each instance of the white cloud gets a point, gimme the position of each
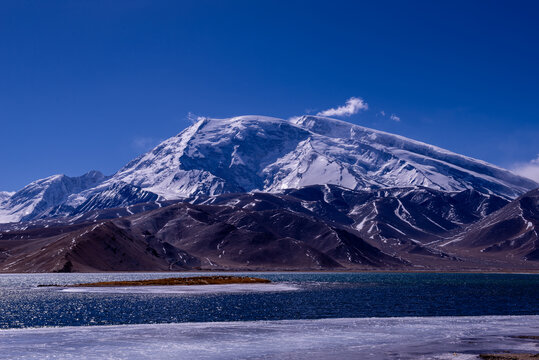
(529, 169)
(395, 118)
(383, 113)
(353, 106)
(194, 118)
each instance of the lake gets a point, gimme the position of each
(344, 304)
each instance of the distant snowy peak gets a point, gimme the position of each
(41, 197)
(5, 195)
(249, 153)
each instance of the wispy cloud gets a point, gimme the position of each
(393, 117)
(142, 143)
(529, 169)
(194, 118)
(352, 106)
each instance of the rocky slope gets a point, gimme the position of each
(186, 236)
(316, 227)
(390, 216)
(510, 233)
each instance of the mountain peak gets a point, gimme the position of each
(254, 152)
(260, 153)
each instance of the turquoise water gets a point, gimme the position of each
(318, 295)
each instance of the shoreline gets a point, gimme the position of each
(525, 336)
(516, 272)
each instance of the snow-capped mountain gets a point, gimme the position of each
(249, 153)
(256, 153)
(46, 197)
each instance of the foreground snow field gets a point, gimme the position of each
(362, 338)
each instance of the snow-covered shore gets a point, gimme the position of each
(365, 338)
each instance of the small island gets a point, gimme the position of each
(196, 280)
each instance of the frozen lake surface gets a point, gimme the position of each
(362, 338)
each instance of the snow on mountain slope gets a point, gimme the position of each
(248, 153)
(5, 195)
(106, 196)
(42, 197)
(213, 157)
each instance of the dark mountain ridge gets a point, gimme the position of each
(312, 228)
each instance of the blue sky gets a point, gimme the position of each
(91, 84)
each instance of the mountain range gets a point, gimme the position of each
(255, 192)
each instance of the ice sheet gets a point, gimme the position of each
(367, 338)
(185, 289)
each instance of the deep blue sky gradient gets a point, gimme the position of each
(91, 84)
